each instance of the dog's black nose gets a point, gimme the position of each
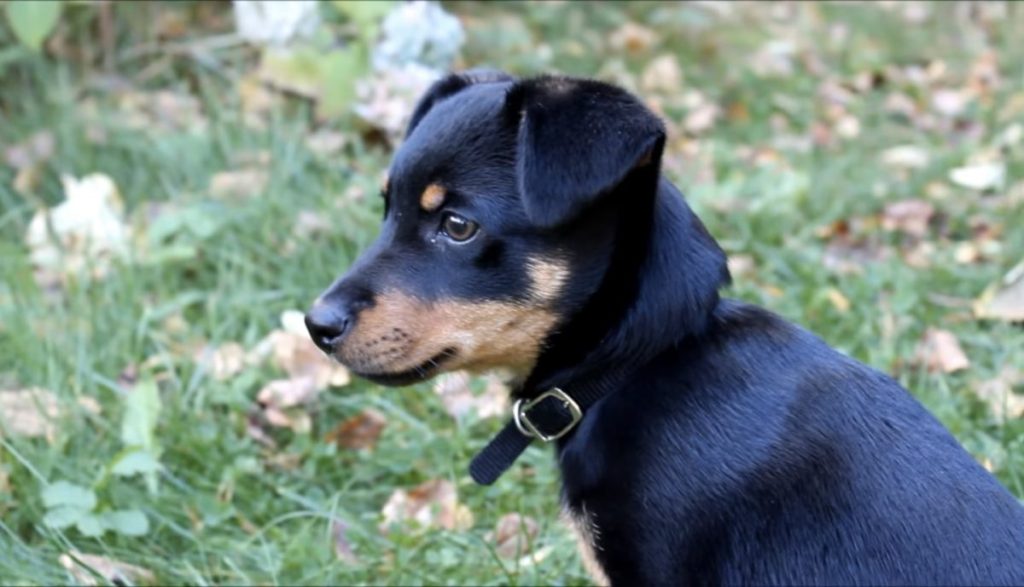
(327, 325)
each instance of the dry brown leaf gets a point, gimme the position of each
(432, 504)
(1003, 300)
(359, 431)
(163, 110)
(908, 216)
(839, 301)
(342, 545)
(701, 119)
(741, 265)
(998, 393)
(222, 362)
(113, 571)
(283, 401)
(939, 351)
(386, 99)
(458, 398)
(663, 74)
(633, 38)
(325, 143)
(32, 412)
(513, 535)
(239, 183)
(309, 371)
(309, 224)
(257, 101)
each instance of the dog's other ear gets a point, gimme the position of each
(449, 85)
(578, 139)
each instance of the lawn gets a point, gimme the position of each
(863, 166)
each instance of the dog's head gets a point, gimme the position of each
(499, 226)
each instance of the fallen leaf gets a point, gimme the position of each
(309, 372)
(239, 183)
(114, 572)
(275, 23)
(632, 38)
(663, 74)
(324, 143)
(1003, 300)
(701, 119)
(774, 58)
(848, 126)
(741, 265)
(839, 301)
(513, 535)
(294, 353)
(31, 413)
(88, 230)
(432, 504)
(908, 216)
(257, 101)
(949, 102)
(32, 152)
(905, 157)
(939, 351)
(359, 431)
(309, 224)
(276, 397)
(222, 362)
(342, 545)
(386, 99)
(161, 111)
(458, 398)
(980, 177)
(535, 558)
(998, 393)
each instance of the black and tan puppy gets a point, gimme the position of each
(700, 440)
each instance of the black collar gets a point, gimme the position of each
(548, 416)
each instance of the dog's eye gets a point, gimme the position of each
(458, 228)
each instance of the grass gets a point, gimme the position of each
(227, 511)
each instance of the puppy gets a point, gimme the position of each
(701, 440)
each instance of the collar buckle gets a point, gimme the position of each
(528, 428)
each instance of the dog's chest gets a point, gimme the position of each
(584, 526)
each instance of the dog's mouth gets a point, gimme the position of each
(421, 372)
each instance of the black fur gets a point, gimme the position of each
(741, 449)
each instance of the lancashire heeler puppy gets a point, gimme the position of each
(701, 440)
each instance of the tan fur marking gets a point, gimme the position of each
(401, 332)
(432, 197)
(547, 277)
(587, 533)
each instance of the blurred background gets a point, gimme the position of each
(178, 180)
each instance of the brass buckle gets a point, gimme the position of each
(523, 423)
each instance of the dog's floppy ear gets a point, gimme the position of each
(449, 85)
(577, 140)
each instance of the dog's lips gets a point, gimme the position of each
(422, 372)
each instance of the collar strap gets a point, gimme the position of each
(547, 417)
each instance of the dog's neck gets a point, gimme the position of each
(660, 287)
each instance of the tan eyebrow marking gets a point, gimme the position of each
(432, 197)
